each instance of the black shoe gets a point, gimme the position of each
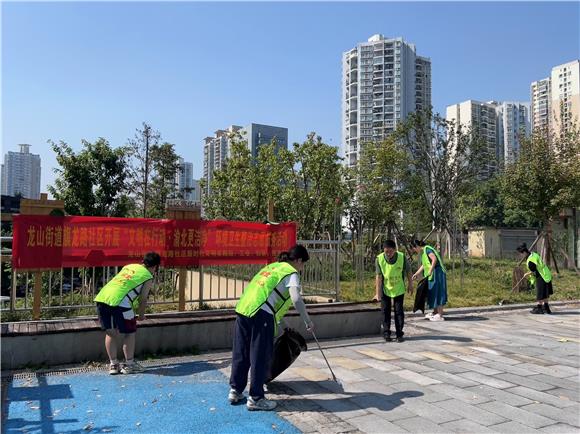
(388, 338)
(547, 309)
(400, 339)
(537, 310)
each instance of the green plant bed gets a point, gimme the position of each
(485, 282)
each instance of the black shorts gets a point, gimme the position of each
(113, 317)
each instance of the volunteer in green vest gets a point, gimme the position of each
(540, 275)
(391, 268)
(434, 271)
(264, 302)
(116, 302)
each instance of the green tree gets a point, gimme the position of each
(316, 194)
(164, 168)
(139, 149)
(545, 178)
(91, 182)
(305, 183)
(447, 161)
(382, 176)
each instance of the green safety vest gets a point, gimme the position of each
(130, 277)
(392, 275)
(427, 262)
(262, 286)
(540, 266)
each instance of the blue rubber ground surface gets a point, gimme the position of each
(181, 398)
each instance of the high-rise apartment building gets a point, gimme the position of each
(501, 124)
(565, 80)
(383, 81)
(513, 125)
(480, 117)
(217, 149)
(21, 173)
(541, 97)
(556, 99)
(184, 180)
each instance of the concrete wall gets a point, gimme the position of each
(180, 333)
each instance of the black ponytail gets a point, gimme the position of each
(523, 248)
(296, 252)
(418, 243)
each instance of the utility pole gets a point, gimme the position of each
(146, 133)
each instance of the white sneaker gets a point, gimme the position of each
(437, 317)
(114, 369)
(429, 315)
(235, 397)
(261, 404)
(132, 368)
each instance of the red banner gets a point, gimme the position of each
(55, 242)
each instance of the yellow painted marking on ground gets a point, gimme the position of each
(436, 356)
(312, 374)
(377, 354)
(346, 363)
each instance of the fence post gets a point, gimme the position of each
(182, 211)
(41, 206)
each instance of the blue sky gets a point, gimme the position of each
(73, 71)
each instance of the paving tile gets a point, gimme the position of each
(471, 358)
(387, 378)
(436, 356)
(513, 427)
(453, 379)
(471, 412)
(377, 354)
(525, 381)
(452, 368)
(465, 426)
(510, 369)
(566, 383)
(465, 395)
(502, 395)
(380, 365)
(346, 363)
(558, 371)
(572, 395)
(413, 357)
(416, 377)
(346, 375)
(313, 374)
(479, 368)
(373, 423)
(557, 414)
(517, 414)
(412, 366)
(485, 379)
(343, 407)
(559, 428)
(429, 411)
(544, 397)
(419, 425)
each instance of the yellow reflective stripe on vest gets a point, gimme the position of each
(393, 284)
(129, 278)
(540, 266)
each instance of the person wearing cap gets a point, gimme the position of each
(391, 268)
(116, 302)
(539, 275)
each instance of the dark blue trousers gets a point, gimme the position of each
(253, 346)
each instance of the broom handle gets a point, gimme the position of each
(320, 348)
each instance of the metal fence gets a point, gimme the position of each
(71, 291)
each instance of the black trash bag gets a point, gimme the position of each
(287, 348)
(421, 296)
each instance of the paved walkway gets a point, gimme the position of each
(494, 372)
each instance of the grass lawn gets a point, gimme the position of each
(485, 282)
